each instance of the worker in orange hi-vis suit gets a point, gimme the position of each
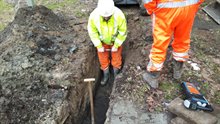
(169, 18)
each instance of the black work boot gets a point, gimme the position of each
(105, 77)
(116, 71)
(152, 78)
(177, 69)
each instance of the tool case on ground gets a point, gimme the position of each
(194, 99)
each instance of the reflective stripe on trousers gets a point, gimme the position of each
(154, 67)
(147, 1)
(172, 21)
(173, 4)
(177, 4)
(180, 56)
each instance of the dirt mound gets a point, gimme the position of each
(38, 16)
(41, 69)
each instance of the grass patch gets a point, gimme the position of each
(56, 5)
(4, 6)
(140, 93)
(217, 98)
(171, 90)
(79, 14)
(143, 89)
(2, 26)
(5, 10)
(159, 108)
(205, 86)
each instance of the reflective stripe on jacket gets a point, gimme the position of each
(153, 5)
(111, 32)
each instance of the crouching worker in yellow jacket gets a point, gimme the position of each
(107, 28)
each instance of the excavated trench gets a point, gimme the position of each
(101, 102)
(134, 53)
(101, 97)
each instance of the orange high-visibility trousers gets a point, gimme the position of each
(167, 22)
(116, 57)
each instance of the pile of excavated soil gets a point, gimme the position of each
(42, 66)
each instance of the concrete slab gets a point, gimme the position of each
(126, 112)
(216, 112)
(197, 117)
(213, 10)
(178, 120)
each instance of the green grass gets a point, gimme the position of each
(67, 6)
(2, 26)
(171, 90)
(159, 108)
(57, 5)
(4, 6)
(205, 86)
(217, 98)
(79, 14)
(204, 4)
(5, 9)
(143, 89)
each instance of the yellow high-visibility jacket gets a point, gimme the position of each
(111, 32)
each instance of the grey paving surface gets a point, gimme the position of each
(125, 112)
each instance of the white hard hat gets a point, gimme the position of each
(106, 7)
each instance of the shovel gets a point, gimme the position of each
(90, 80)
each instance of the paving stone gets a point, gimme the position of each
(216, 111)
(124, 108)
(125, 112)
(152, 118)
(197, 117)
(123, 120)
(178, 120)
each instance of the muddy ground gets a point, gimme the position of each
(43, 63)
(40, 48)
(204, 46)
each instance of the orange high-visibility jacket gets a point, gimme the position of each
(153, 5)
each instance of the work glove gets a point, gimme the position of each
(101, 49)
(114, 49)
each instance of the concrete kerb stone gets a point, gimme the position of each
(178, 120)
(195, 117)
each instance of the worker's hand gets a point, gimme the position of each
(101, 49)
(114, 49)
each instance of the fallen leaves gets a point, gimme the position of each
(153, 100)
